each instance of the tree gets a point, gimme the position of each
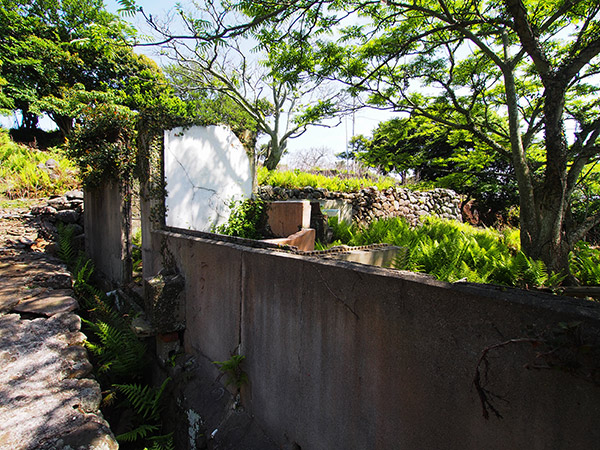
(281, 104)
(513, 73)
(60, 55)
(436, 155)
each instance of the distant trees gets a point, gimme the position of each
(245, 69)
(437, 155)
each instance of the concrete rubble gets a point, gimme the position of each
(48, 399)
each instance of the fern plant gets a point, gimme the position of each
(119, 352)
(145, 403)
(233, 370)
(585, 264)
(66, 251)
(453, 251)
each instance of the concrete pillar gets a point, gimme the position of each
(107, 218)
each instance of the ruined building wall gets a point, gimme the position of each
(347, 356)
(370, 204)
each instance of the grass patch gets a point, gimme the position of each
(23, 173)
(295, 179)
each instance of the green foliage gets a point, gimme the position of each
(104, 145)
(119, 355)
(58, 56)
(437, 156)
(66, 251)
(585, 264)
(453, 251)
(22, 175)
(232, 369)
(119, 352)
(144, 400)
(479, 67)
(297, 179)
(247, 219)
(136, 251)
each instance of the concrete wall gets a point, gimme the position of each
(107, 219)
(346, 356)
(205, 168)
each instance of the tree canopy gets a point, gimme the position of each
(244, 69)
(58, 56)
(520, 75)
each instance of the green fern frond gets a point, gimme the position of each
(164, 442)
(66, 251)
(119, 349)
(232, 368)
(144, 400)
(140, 432)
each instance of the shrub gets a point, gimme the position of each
(248, 219)
(104, 145)
(297, 179)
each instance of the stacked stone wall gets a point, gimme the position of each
(371, 203)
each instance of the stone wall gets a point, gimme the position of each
(370, 204)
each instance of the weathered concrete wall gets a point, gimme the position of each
(205, 168)
(107, 219)
(347, 356)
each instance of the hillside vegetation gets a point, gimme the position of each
(26, 172)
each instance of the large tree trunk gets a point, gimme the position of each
(29, 121)
(64, 123)
(550, 243)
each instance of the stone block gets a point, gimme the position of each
(165, 302)
(287, 218)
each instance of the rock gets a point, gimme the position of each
(49, 407)
(51, 164)
(47, 304)
(74, 195)
(43, 210)
(54, 279)
(67, 216)
(57, 202)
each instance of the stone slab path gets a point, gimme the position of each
(47, 398)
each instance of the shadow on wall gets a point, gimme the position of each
(202, 178)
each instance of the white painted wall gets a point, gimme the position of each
(205, 168)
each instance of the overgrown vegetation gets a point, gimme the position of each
(298, 179)
(119, 359)
(247, 219)
(453, 251)
(136, 254)
(24, 174)
(104, 146)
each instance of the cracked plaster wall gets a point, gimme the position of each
(205, 168)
